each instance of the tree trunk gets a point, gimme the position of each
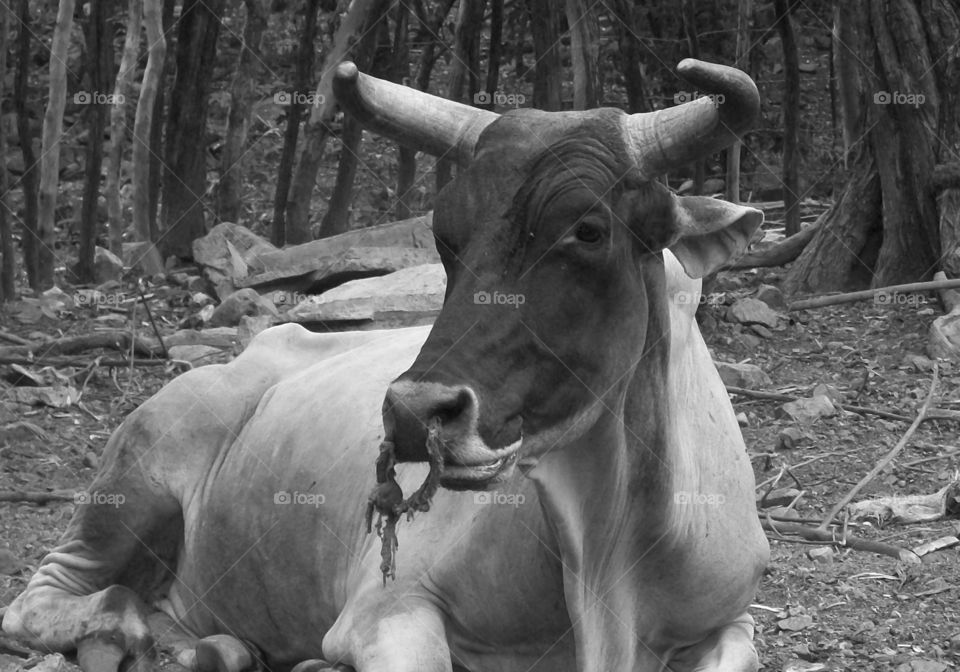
(732, 182)
(8, 263)
(911, 122)
(544, 24)
(296, 105)
(791, 116)
(688, 11)
(463, 70)
(31, 235)
(123, 93)
(185, 177)
(496, 49)
(363, 13)
(52, 135)
(167, 74)
(629, 45)
(584, 54)
(242, 94)
(400, 73)
(337, 218)
(846, 45)
(99, 65)
(156, 50)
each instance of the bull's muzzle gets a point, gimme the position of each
(410, 406)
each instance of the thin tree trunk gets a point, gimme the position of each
(280, 234)
(732, 183)
(99, 64)
(167, 75)
(337, 218)
(585, 54)
(185, 177)
(629, 46)
(791, 116)
(464, 68)
(846, 16)
(52, 135)
(150, 262)
(31, 235)
(544, 24)
(496, 49)
(8, 263)
(400, 73)
(689, 14)
(123, 93)
(317, 129)
(242, 94)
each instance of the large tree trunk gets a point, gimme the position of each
(242, 94)
(31, 235)
(791, 116)
(185, 177)
(122, 94)
(150, 262)
(363, 13)
(296, 103)
(584, 53)
(8, 264)
(52, 136)
(911, 124)
(545, 26)
(99, 65)
(845, 47)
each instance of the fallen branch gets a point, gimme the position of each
(36, 497)
(776, 396)
(850, 297)
(832, 538)
(888, 458)
(114, 339)
(13, 338)
(74, 361)
(778, 254)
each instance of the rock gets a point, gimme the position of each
(918, 362)
(789, 438)
(922, 665)
(829, 391)
(778, 498)
(53, 662)
(753, 311)
(9, 563)
(195, 284)
(713, 185)
(241, 302)
(743, 420)
(772, 296)
(219, 337)
(795, 623)
(179, 279)
(250, 326)
(200, 299)
(54, 397)
(318, 274)
(143, 258)
(232, 249)
(749, 341)
(804, 666)
(198, 355)
(783, 513)
(222, 284)
(407, 297)
(91, 460)
(943, 341)
(806, 411)
(821, 554)
(743, 375)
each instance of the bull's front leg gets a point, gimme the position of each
(390, 633)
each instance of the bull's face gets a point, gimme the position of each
(552, 238)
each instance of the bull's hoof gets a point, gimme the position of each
(223, 653)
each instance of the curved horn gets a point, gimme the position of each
(419, 120)
(667, 138)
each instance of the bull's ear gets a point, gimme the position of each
(712, 232)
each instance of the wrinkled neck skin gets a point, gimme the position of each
(607, 496)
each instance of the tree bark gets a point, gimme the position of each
(911, 121)
(400, 73)
(99, 65)
(31, 235)
(791, 116)
(845, 41)
(317, 128)
(123, 93)
(629, 46)
(156, 51)
(688, 11)
(8, 263)
(544, 24)
(732, 182)
(496, 49)
(242, 95)
(52, 135)
(584, 54)
(185, 176)
(167, 74)
(337, 218)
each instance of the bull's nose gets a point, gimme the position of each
(409, 406)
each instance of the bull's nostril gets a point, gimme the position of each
(450, 409)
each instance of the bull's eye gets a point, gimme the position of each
(589, 232)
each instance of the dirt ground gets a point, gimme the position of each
(849, 610)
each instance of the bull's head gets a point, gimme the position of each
(552, 237)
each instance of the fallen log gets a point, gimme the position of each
(115, 339)
(37, 497)
(851, 297)
(841, 540)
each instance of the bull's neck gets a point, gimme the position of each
(608, 499)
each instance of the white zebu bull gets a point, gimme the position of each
(631, 541)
